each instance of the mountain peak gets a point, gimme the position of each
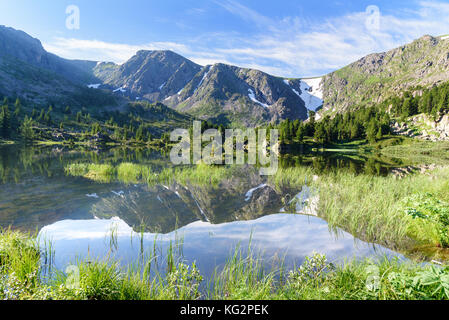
(159, 53)
(18, 43)
(423, 62)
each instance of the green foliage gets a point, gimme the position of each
(367, 123)
(243, 277)
(96, 128)
(374, 208)
(431, 101)
(26, 129)
(313, 269)
(425, 206)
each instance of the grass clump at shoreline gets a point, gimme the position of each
(201, 174)
(377, 209)
(132, 173)
(419, 152)
(96, 172)
(243, 277)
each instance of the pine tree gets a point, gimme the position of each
(444, 101)
(6, 122)
(371, 131)
(139, 133)
(17, 108)
(320, 133)
(379, 134)
(41, 115)
(26, 129)
(95, 128)
(356, 129)
(300, 133)
(79, 116)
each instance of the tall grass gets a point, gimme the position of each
(419, 152)
(372, 207)
(243, 277)
(200, 174)
(96, 172)
(133, 173)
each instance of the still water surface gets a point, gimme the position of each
(83, 218)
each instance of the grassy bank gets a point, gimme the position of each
(415, 151)
(398, 213)
(243, 277)
(135, 173)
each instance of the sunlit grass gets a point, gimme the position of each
(200, 174)
(92, 171)
(243, 277)
(372, 207)
(133, 173)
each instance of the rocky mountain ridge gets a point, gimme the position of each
(376, 77)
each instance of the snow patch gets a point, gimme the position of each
(252, 96)
(250, 192)
(162, 86)
(94, 85)
(305, 202)
(93, 195)
(293, 89)
(201, 210)
(204, 78)
(311, 92)
(445, 37)
(120, 89)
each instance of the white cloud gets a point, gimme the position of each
(105, 51)
(290, 47)
(245, 13)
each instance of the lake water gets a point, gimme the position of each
(84, 218)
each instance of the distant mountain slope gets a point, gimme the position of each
(221, 93)
(40, 78)
(150, 74)
(19, 45)
(240, 95)
(376, 77)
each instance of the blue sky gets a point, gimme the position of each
(291, 38)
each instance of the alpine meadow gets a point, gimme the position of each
(224, 150)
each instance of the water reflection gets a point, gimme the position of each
(76, 213)
(283, 236)
(352, 162)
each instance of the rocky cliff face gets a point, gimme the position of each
(221, 93)
(29, 72)
(374, 78)
(424, 127)
(18, 45)
(250, 97)
(153, 75)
